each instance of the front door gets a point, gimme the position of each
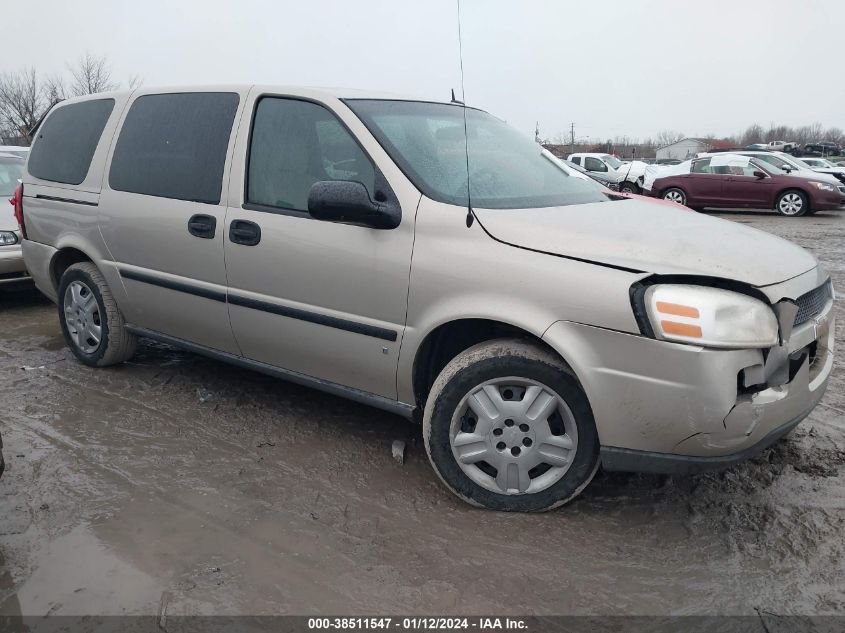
(749, 190)
(591, 163)
(162, 213)
(323, 299)
(703, 187)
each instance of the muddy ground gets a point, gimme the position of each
(182, 481)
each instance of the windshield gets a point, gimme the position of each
(612, 161)
(10, 172)
(506, 169)
(771, 159)
(791, 161)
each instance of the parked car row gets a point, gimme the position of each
(818, 148)
(429, 260)
(750, 180)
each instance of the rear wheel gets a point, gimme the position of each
(508, 427)
(91, 322)
(629, 187)
(675, 195)
(792, 203)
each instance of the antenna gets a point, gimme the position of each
(470, 214)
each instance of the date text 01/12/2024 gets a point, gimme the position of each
(417, 623)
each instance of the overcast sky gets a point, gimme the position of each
(614, 67)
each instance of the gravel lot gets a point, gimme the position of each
(179, 480)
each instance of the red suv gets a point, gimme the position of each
(745, 182)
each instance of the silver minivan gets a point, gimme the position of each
(427, 259)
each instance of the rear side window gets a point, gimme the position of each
(576, 160)
(66, 142)
(174, 146)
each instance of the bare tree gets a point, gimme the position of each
(54, 90)
(135, 81)
(667, 137)
(25, 96)
(833, 134)
(21, 103)
(753, 134)
(90, 75)
(803, 134)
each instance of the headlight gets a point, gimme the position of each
(711, 317)
(7, 238)
(824, 186)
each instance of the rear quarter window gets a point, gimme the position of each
(174, 146)
(65, 144)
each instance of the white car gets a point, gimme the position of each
(781, 146)
(629, 175)
(15, 150)
(824, 166)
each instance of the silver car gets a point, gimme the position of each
(427, 259)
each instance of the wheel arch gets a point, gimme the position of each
(445, 341)
(64, 258)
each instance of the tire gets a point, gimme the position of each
(792, 203)
(515, 370)
(629, 187)
(675, 194)
(86, 307)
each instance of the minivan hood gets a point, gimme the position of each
(645, 236)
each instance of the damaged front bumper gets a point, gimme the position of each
(672, 408)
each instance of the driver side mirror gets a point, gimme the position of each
(759, 174)
(349, 202)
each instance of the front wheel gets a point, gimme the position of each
(508, 427)
(629, 187)
(675, 195)
(91, 322)
(792, 203)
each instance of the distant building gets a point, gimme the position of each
(689, 147)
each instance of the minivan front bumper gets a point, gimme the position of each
(674, 408)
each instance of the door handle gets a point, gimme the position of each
(202, 225)
(244, 232)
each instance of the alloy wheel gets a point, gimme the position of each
(675, 196)
(791, 204)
